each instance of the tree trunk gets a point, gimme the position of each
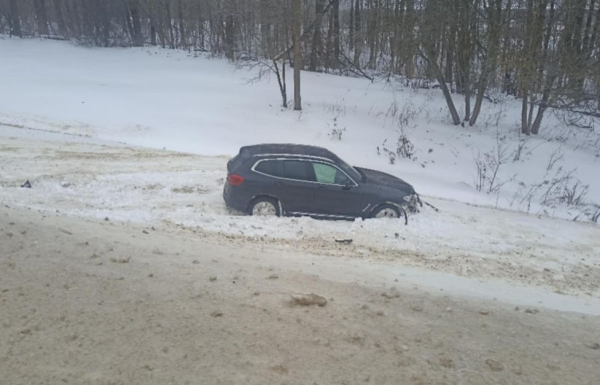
(138, 38)
(317, 41)
(170, 25)
(448, 97)
(550, 76)
(41, 16)
(409, 39)
(587, 34)
(297, 25)
(103, 23)
(535, 127)
(372, 31)
(129, 26)
(479, 99)
(524, 119)
(394, 39)
(449, 68)
(596, 32)
(281, 81)
(336, 30)
(351, 25)
(467, 98)
(506, 45)
(60, 18)
(358, 41)
(229, 37)
(432, 59)
(494, 12)
(15, 19)
(152, 35)
(182, 37)
(329, 47)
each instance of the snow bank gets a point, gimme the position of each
(174, 100)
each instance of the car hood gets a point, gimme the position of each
(381, 179)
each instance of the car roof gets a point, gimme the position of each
(287, 149)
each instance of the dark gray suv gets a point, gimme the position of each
(298, 180)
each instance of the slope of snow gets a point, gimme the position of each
(467, 250)
(171, 99)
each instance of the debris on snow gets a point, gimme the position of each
(309, 299)
(447, 363)
(494, 365)
(120, 260)
(392, 294)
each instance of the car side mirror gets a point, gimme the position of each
(348, 185)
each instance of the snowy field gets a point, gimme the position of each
(467, 250)
(173, 100)
(122, 265)
(143, 135)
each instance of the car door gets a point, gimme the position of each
(298, 182)
(336, 194)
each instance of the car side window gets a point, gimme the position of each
(297, 170)
(325, 173)
(270, 167)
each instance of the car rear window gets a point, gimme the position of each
(270, 167)
(298, 170)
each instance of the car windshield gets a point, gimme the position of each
(351, 171)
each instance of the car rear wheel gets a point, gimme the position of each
(386, 211)
(264, 207)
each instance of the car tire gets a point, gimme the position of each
(264, 206)
(386, 211)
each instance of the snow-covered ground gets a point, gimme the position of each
(463, 249)
(122, 264)
(98, 302)
(171, 99)
(76, 120)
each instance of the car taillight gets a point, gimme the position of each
(235, 180)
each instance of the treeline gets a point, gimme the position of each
(545, 52)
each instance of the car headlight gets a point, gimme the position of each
(407, 198)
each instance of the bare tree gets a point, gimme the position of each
(41, 16)
(136, 23)
(545, 52)
(60, 18)
(317, 42)
(15, 19)
(297, 15)
(430, 35)
(493, 13)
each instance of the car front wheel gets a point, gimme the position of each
(386, 211)
(264, 207)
